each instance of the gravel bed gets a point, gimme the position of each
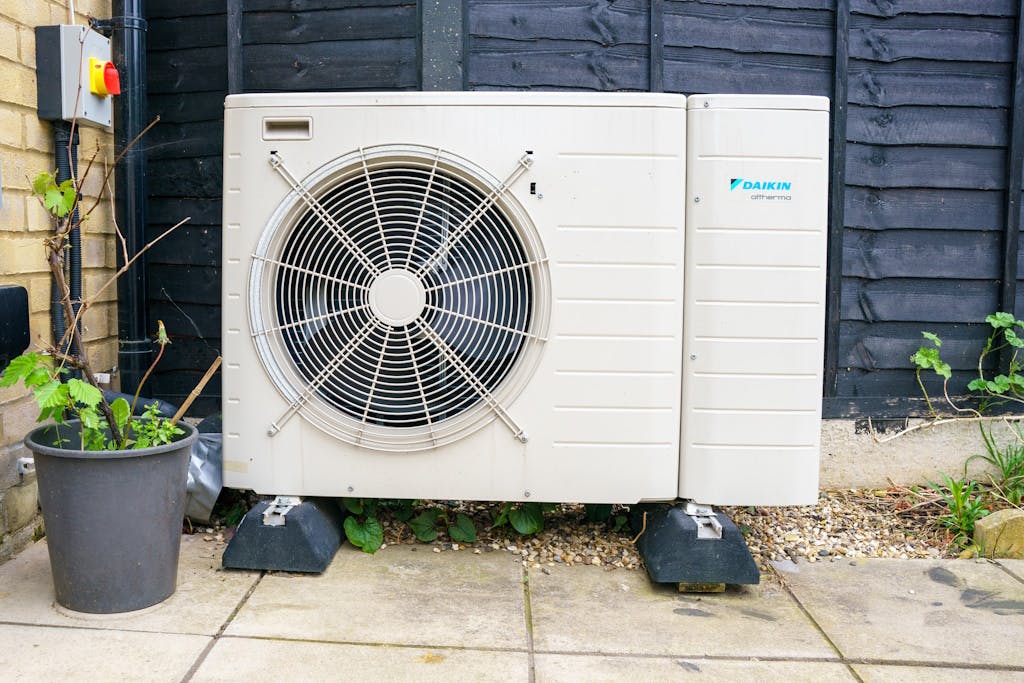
(847, 523)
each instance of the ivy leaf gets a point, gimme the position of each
(977, 384)
(84, 393)
(464, 530)
(1013, 339)
(424, 525)
(121, 409)
(367, 535)
(53, 394)
(353, 505)
(933, 338)
(19, 368)
(527, 518)
(1001, 320)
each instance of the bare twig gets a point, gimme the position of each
(199, 389)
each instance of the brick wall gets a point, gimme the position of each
(26, 148)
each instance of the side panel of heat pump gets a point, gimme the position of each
(757, 187)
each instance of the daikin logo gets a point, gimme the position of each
(769, 185)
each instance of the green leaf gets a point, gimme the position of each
(353, 505)
(404, 511)
(977, 384)
(69, 195)
(621, 522)
(53, 201)
(464, 530)
(1013, 339)
(942, 368)
(502, 518)
(367, 534)
(121, 409)
(53, 394)
(527, 519)
(84, 393)
(41, 182)
(20, 368)
(933, 338)
(37, 377)
(1001, 320)
(424, 525)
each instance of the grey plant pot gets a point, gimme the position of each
(113, 519)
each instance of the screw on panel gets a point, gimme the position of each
(526, 494)
(696, 200)
(706, 104)
(350, 489)
(693, 356)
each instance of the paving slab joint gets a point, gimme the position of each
(785, 584)
(220, 632)
(528, 613)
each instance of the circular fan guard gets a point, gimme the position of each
(398, 298)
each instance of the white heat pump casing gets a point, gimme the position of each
(755, 299)
(604, 196)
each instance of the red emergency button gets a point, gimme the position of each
(103, 78)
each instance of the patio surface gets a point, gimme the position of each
(409, 614)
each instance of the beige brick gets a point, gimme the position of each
(39, 327)
(103, 353)
(8, 40)
(12, 213)
(93, 280)
(39, 294)
(38, 134)
(10, 394)
(21, 504)
(27, 12)
(18, 84)
(21, 255)
(94, 251)
(96, 323)
(27, 46)
(10, 128)
(19, 418)
(37, 218)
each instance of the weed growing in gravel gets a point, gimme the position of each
(1008, 463)
(965, 507)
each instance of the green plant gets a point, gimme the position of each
(1008, 462)
(48, 375)
(964, 507)
(362, 528)
(1001, 387)
(602, 512)
(460, 530)
(525, 518)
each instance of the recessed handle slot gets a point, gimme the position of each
(291, 128)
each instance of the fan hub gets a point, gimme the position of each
(397, 297)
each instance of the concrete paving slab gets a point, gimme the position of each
(205, 598)
(246, 659)
(398, 596)
(591, 610)
(915, 674)
(916, 610)
(596, 669)
(1016, 567)
(47, 653)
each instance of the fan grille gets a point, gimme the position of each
(399, 299)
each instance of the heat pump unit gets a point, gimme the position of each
(454, 296)
(487, 296)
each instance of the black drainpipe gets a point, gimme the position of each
(66, 159)
(128, 27)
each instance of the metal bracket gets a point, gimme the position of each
(279, 508)
(708, 526)
(26, 466)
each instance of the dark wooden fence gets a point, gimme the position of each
(927, 124)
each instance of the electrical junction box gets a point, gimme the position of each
(75, 77)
